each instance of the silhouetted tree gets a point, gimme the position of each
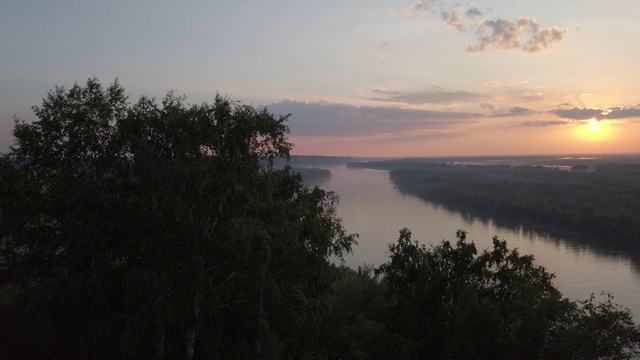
(158, 230)
(452, 302)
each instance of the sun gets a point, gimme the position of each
(593, 130)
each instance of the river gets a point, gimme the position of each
(372, 207)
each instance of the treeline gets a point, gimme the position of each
(397, 164)
(164, 230)
(313, 175)
(602, 202)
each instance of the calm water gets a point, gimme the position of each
(372, 207)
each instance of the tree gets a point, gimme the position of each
(455, 303)
(356, 317)
(158, 230)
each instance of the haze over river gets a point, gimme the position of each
(372, 207)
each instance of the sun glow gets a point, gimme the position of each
(594, 130)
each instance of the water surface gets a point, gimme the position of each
(372, 207)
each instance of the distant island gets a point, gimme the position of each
(313, 175)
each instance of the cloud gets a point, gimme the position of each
(523, 34)
(386, 92)
(488, 106)
(461, 20)
(431, 97)
(513, 112)
(622, 113)
(454, 19)
(598, 114)
(473, 12)
(517, 110)
(532, 97)
(420, 6)
(543, 123)
(331, 119)
(578, 114)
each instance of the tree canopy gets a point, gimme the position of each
(453, 302)
(158, 228)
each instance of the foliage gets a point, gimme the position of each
(158, 230)
(356, 316)
(452, 302)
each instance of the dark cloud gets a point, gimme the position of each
(599, 114)
(330, 119)
(432, 97)
(523, 34)
(622, 113)
(517, 110)
(473, 12)
(578, 114)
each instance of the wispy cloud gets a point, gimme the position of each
(543, 123)
(514, 111)
(523, 34)
(532, 97)
(418, 7)
(331, 119)
(443, 97)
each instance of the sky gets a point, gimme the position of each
(388, 78)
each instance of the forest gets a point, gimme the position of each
(161, 229)
(601, 202)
